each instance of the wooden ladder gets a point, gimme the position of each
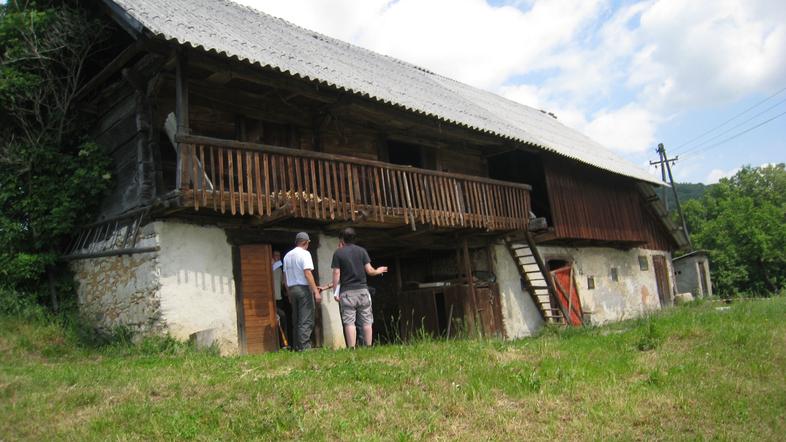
(535, 276)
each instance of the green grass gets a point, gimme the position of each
(689, 373)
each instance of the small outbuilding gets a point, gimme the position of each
(692, 273)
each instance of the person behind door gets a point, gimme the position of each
(282, 306)
(351, 264)
(302, 291)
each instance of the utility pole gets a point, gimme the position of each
(661, 165)
(665, 168)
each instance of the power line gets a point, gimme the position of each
(734, 127)
(730, 119)
(737, 134)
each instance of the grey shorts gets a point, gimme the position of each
(356, 304)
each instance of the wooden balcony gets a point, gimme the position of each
(271, 182)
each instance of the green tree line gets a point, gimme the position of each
(51, 175)
(741, 222)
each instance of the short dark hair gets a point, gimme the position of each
(348, 235)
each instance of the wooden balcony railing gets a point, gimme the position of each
(245, 178)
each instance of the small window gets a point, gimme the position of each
(615, 274)
(590, 282)
(643, 263)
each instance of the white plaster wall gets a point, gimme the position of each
(519, 312)
(634, 294)
(332, 330)
(197, 283)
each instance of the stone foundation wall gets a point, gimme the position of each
(122, 291)
(185, 287)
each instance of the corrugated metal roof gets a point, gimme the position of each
(245, 33)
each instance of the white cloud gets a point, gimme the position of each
(698, 54)
(628, 129)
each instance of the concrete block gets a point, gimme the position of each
(205, 338)
(683, 298)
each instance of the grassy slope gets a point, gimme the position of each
(711, 374)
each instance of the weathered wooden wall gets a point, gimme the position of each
(587, 203)
(125, 131)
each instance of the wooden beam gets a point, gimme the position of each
(181, 93)
(471, 284)
(181, 109)
(110, 69)
(123, 19)
(265, 76)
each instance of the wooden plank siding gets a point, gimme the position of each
(332, 188)
(589, 204)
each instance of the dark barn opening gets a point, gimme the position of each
(406, 154)
(527, 168)
(426, 294)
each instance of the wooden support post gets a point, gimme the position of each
(181, 108)
(471, 285)
(399, 281)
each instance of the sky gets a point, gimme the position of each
(705, 78)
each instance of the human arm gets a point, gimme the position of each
(336, 279)
(371, 271)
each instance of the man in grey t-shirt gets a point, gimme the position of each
(351, 264)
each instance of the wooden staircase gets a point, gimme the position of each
(534, 273)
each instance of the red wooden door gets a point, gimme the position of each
(661, 278)
(258, 316)
(567, 295)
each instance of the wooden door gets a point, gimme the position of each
(418, 311)
(257, 303)
(705, 291)
(661, 279)
(489, 310)
(567, 295)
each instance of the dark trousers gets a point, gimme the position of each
(302, 317)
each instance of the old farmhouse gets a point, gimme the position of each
(231, 130)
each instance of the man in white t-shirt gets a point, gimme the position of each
(302, 290)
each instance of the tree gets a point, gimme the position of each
(741, 221)
(50, 175)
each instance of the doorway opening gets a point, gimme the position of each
(426, 294)
(405, 154)
(527, 168)
(261, 300)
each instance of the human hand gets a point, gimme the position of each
(382, 269)
(317, 296)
